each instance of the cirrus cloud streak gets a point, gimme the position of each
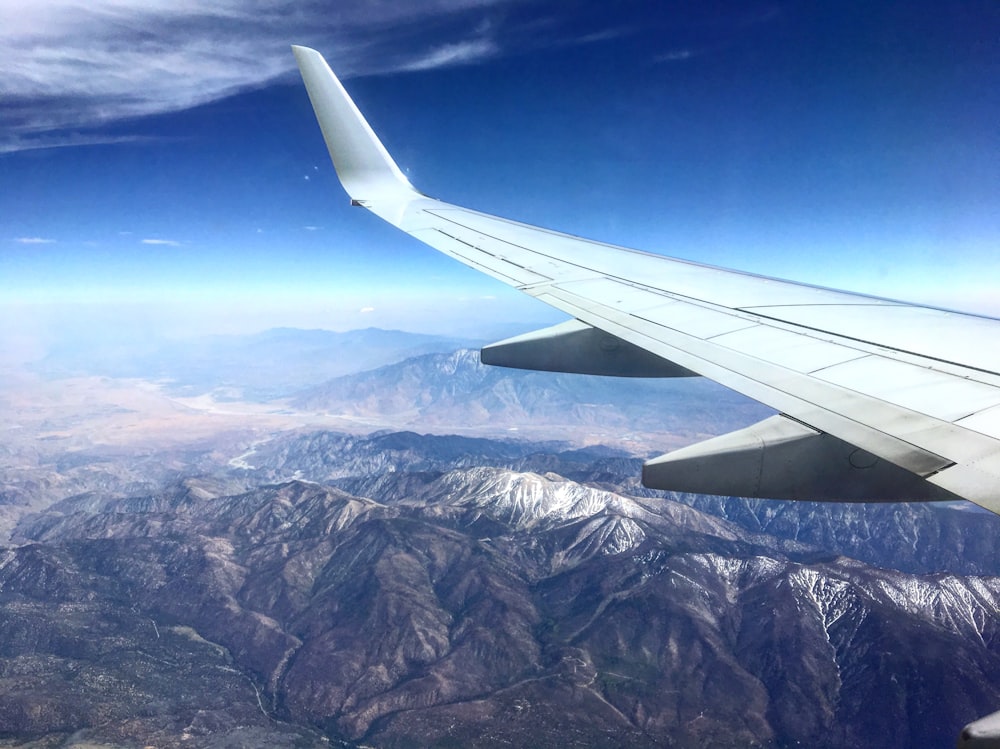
(34, 240)
(71, 67)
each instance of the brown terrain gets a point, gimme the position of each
(209, 566)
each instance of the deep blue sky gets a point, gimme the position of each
(162, 168)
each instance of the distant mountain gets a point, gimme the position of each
(262, 366)
(454, 390)
(471, 606)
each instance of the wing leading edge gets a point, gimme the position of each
(878, 400)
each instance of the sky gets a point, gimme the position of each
(161, 171)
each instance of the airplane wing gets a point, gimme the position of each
(877, 400)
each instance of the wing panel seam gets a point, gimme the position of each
(883, 346)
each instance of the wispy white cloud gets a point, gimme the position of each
(70, 67)
(366, 310)
(168, 242)
(675, 54)
(683, 54)
(456, 53)
(16, 141)
(34, 240)
(604, 35)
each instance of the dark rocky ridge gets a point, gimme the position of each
(921, 538)
(488, 607)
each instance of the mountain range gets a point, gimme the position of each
(455, 391)
(465, 605)
(197, 576)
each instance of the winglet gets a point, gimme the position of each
(365, 168)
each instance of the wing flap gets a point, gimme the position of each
(798, 351)
(937, 335)
(986, 422)
(975, 482)
(921, 389)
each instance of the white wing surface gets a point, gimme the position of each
(877, 400)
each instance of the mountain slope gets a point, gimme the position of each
(455, 390)
(912, 537)
(489, 607)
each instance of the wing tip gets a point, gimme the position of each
(365, 168)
